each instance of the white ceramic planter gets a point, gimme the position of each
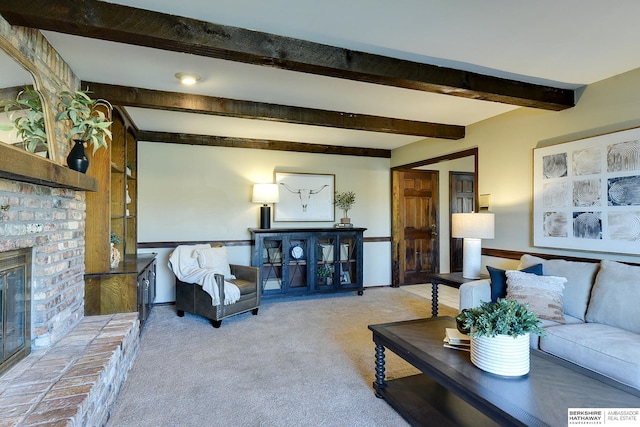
(501, 355)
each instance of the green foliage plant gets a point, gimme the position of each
(324, 271)
(115, 239)
(345, 201)
(27, 117)
(504, 317)
(88, 122)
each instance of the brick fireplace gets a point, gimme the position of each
(51, 221)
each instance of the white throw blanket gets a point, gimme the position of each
(184, 263)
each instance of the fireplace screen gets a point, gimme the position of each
(15, 305)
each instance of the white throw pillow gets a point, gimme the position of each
(542, 293)
(214, 259)
(615, 296)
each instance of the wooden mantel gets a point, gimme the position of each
(19, 165)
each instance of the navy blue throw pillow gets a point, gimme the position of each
(499, 280)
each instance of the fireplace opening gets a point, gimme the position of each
(15, 305)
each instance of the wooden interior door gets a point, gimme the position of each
(462, 190)
(415, 226)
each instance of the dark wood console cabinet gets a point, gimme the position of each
(298, 261)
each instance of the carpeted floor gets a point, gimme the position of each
(305, 361)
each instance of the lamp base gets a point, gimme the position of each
(265, 217)
(471, 258)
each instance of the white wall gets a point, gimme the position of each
(506, 144)
(197, 193)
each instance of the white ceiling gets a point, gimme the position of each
(566, 44)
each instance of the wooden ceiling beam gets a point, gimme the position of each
(107, 21)
(259, 144)
(211, 105)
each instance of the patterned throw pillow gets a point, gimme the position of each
(542, 293)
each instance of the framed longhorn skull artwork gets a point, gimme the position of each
(305, 197)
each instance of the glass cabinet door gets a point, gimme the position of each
(325, 262)
(272, 265)
(348, 265)
(296, 264)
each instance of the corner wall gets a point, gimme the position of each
(506, 144)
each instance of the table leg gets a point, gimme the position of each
(379, 383)
(434, 299)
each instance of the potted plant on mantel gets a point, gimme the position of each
(345, 201)
(27, 117)
(88, 125)
(500, 335)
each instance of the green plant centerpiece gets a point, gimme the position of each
(504, 317)
(345, 201)
(500, 335)
(26, 115)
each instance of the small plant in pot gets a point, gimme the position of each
(115, 253)
(345, 201)
(324, 274)
(27, 118)
(89, 124)
(500, 335)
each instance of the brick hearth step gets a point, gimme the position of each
(76, 381)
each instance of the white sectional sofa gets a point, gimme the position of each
(601, 303)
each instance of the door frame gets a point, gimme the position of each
(395, 226)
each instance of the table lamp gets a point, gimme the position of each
(265, 193)
(472, 227)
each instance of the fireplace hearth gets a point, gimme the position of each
(15, 306)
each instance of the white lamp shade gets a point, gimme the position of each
(474, 225)
(266, 193)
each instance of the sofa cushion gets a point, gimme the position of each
(542, 293)
(607, 350)
(615, 296)
(499, 280)
(580, 277)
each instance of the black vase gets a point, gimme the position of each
(77, 158)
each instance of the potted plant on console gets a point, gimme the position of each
(89, 124)
(500, 335)
(345, 201)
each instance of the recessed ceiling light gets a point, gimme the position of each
(187, 78)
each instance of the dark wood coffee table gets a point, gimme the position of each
(451, 391)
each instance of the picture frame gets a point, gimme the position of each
(586, 194)
(305, 197)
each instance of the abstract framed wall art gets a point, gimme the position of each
(586, 194)
(305, 197)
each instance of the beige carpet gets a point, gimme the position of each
(304, 361)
